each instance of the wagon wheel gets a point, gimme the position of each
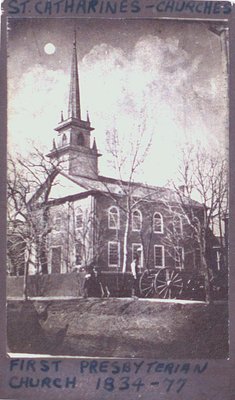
(146, 283)
(168, 284)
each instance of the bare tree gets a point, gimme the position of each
(128, 154)
(22, 229)
(28, 186)
(203, 176)
(87, 234)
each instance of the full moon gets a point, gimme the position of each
(49, 48)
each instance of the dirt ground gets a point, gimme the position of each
(117, 327)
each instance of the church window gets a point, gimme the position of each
(64, 140)
(136, 220)
(179, 257)
(157, 223)
(78, 253)
(57, 222)
(80, 139)
(113, 254)
(178, 226)
(197, 258)
(114, 218)
(79, 219)
(159, 256)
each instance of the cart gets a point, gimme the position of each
(171, 283)
(163, 283)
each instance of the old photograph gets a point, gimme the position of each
(117, 188)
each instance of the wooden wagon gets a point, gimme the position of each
(171, 283)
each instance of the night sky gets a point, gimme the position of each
(167, 76)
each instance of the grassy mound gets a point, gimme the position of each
(118, 328)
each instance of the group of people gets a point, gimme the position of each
(94, 287)
(92, 284)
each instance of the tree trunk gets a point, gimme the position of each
(148, 249)
(125, 241)
(207, 280)
(205, 269)
(26, 274)
(43, 246)
(146, 240)
(37, 249)
(222, 244)
(43, 258)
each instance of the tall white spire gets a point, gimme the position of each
(74, 109)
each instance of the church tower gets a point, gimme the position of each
(72, 145)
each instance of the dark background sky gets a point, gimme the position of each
(167, 75)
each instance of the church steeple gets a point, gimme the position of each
(73, 142)
(74, 109)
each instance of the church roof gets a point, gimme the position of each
(139, 190)
(70, 187)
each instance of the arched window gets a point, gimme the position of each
(114, 222)
(177, 224)
(64, 140)
(157, 223)
(80, 140)
(136, 220)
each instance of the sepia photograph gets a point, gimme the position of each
(117, 188)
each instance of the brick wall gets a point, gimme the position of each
(146, 238)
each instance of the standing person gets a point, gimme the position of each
(89, 281)
(134, 270)
(92, 285)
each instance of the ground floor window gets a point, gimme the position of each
(56, 259)
(113, 254)
(79, 219)
(197, 259)
(159, 256)
(78, 253)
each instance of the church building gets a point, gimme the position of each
(94, 218)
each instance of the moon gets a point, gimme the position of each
(49, 48)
